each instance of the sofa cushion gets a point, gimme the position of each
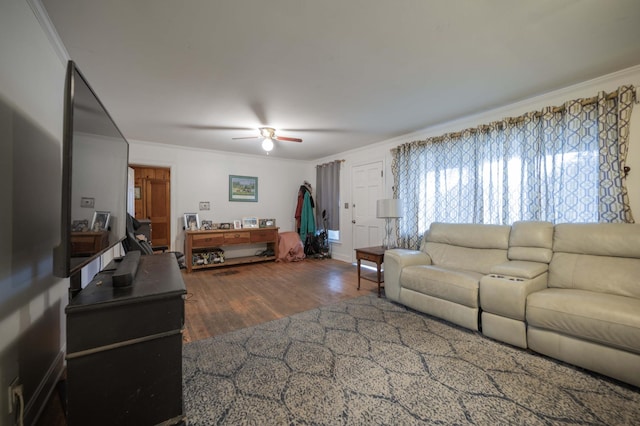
(469, 259)
(602, 318)
(469, 235)
(612, 275)
(455, 285)
(598, 239)
(531, 241)
(470, 247)
(520, 269)
(601, 257)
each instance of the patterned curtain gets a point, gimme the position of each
(328, 194)
(561, 164)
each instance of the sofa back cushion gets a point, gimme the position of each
(471, 247)
(601, 257)
(531, 241)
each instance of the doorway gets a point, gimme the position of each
(152, 187)
(368, 188)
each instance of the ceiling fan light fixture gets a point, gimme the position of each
(267, 144)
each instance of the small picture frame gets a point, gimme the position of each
(243, 188)
(80, 225)
(225, 225)
(191, 221)
(206, 225)
(237, 224)
(267, 223)
(250, 222)
(137, 191)
(100, 221)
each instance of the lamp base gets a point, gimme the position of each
(389, 241)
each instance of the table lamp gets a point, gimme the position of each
(387, 209)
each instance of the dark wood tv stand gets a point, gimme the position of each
(124, 348)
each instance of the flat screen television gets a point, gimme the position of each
(94, 178)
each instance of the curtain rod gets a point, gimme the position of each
(513, 120)
(330, 162)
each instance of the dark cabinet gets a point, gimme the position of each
(124, 348)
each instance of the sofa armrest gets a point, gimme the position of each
(394, 261)
(520, 269)
(506, 295)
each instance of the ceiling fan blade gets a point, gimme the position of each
(213, 127)
(248, 137)
(283, 138)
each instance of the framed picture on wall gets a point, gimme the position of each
(243, 188)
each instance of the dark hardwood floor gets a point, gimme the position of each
(227, 299)
(230, 298)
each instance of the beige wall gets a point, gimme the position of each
(32, 300)
(203, 175)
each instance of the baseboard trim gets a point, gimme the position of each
(36, 404)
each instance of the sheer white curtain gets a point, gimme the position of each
(328, 194)
(561, 164)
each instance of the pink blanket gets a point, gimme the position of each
(290, 247)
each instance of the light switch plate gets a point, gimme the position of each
(87, 202)
(204, 205)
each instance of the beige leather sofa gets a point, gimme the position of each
(443, 277)
(590, 313)
(570, 291)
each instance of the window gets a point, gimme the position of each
(560, 164)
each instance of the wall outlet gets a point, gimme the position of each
(87, 202)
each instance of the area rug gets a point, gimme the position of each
(368, 361)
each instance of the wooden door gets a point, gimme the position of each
(154, 203)
(157, 209)
(368, 188)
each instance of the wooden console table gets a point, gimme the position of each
(203, 241)
(372, 254)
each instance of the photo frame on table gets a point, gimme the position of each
(206, 225)
(243, 188)
(100, 221)
(80, 225)
(225, 225)
(237, 224)
(249, 222)
(191, 221)
(267, 223)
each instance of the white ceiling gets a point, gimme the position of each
(339, 74)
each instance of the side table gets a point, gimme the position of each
(372, 254)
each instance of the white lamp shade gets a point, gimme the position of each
(267, 144)
(388, 207)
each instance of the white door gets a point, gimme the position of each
(367, 182)
(131, 192)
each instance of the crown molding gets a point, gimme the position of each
(47, 26)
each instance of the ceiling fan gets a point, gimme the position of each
(269, 135)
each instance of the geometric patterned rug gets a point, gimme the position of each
(367, 361)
